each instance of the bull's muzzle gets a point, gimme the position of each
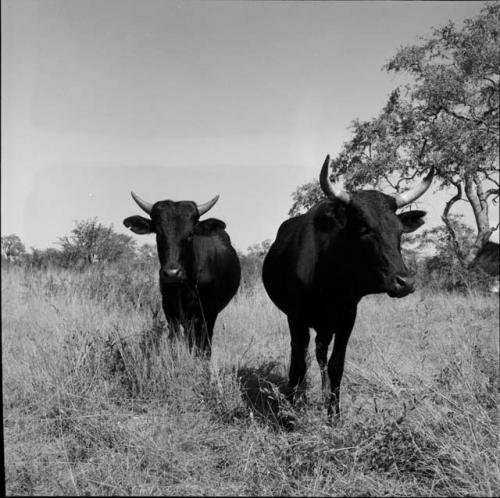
(401, 285)
(172, 275)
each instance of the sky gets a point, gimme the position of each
(186, 100)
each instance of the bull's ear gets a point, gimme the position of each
(411, 220)
(138, 224)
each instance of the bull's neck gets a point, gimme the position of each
(339, 272)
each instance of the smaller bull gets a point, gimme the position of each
(199, 269)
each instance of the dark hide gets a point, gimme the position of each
(320, 266)
(199, 268)
(488, 259)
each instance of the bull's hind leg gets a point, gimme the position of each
(298, 364)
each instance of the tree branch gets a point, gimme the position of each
(469, 120)
(492, 180)
(475, 195)
(490, 192)
(421, 154)
(405, 179)
(449, 227)
(495, 83)
(386, 178)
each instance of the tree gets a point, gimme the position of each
(436, 244)
(147, 252)
(44, 258)
(447, 117)
(12, 247)
(251, 263)
(260, 250)
(438, 260)
(90, 241)
(305, 197)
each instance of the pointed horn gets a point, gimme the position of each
(414, 193)
(203, 208)
(145, 206)
(328, 188)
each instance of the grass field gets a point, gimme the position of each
(97, 400)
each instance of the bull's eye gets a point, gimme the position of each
(363, 230)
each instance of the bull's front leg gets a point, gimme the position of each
(323, 339)
(343, 329)
(172, 308)
(204, 327)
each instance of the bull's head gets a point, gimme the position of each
(373, 232)
(174, 224)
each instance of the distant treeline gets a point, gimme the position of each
(430, 254)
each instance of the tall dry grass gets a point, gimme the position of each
(97, 400)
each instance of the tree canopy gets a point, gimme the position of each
(12, 247)
(446, 117)
(91, 241)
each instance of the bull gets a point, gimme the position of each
(199, 269)
(324, 261)
(488, 261)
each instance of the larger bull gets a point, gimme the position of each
(324, 261)
(199, 268)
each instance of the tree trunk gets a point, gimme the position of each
(475, 194)
(448, 225)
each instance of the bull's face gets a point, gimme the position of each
(174, 225)
(373, 233)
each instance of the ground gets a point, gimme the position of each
(97, 400)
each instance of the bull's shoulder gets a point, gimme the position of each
(291, 225)
(210, 226)
(327, 214)
(323, 215)
(213, 229)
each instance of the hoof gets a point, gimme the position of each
(333, 418)
(288, 422)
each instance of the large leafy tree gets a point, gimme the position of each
(437, 261)
(446, 117)
(251, 263)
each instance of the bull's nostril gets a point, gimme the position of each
(171, 272)
(401, 281)
(406, 282)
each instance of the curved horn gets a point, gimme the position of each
(329, 189)
(203, 208)
(145, 206)
(414, 193)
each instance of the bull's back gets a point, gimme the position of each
(288, 268)
(273, 284)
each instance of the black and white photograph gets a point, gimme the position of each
(250, 247)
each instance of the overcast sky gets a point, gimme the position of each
(186, 100)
